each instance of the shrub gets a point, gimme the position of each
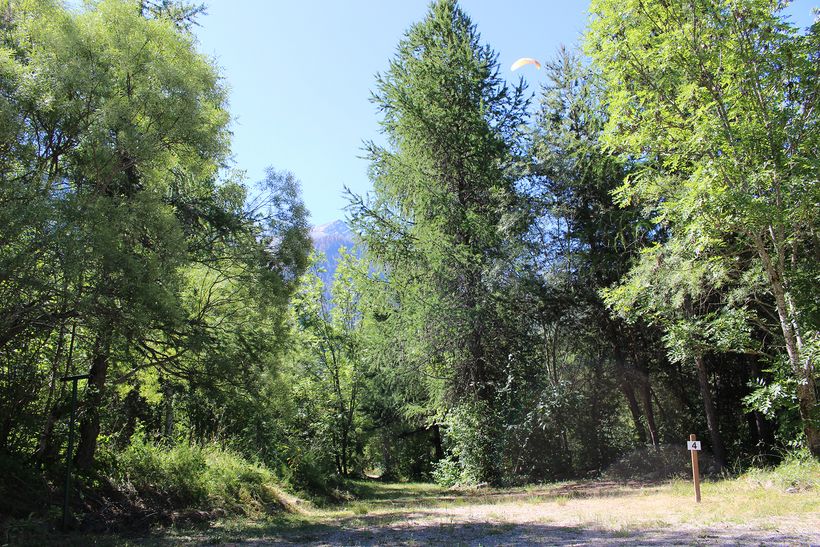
(798, 470)
(200, 477)
(173, 474)
(476, 439)
(447, 472)
(648, 463)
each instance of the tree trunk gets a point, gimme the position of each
(646, 398)
(711, 415)
(627, 387)
(629, 393)
(628, 377)
(45, 445)
(437, 442)
(645, 390)
(789, 325)
(90, 424)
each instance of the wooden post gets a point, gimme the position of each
(695, 470)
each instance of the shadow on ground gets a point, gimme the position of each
(376, 495)
(487, 534)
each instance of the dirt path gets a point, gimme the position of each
(569, 514)
(531, 524)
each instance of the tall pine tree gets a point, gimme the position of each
(445, 220)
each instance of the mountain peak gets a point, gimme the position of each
(336, 228)
(329, 239)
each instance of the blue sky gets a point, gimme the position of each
(300, 75)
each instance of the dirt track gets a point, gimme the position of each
(589, 514)
(482, 525)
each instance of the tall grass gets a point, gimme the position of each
(202, 477)
(798, 471)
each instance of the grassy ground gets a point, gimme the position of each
(772, 507)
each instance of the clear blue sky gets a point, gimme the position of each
(300, 75)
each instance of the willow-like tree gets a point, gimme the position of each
(725, 96)
(444, 219)
(113, 215)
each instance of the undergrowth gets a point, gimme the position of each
(168, 487)
(137, 489)
(798, 471)
(202, 477)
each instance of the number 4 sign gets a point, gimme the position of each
(694, 446)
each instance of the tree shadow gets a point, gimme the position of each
(396, 497)
(372, 532)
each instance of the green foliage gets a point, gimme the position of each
(776, 396)
(443, 225)
(475, 431)
(202, 477)
(447, 472)
(329, 364)
(799, 470)
(131, 252)
(176, 474)
(522, 302)
(718, 100)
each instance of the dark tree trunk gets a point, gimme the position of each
(645, 389)
(46, 450)
(131, 412)
(90, 424)
(711, 414)
(629, 393)
(437, 442)
(627, 377)
(646, 398)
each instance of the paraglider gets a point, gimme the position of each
(525, 61)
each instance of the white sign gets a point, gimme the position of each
(693, 445)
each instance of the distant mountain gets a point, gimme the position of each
(328, 239)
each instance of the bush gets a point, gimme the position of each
(175, 475)
(476, 440)
(196, 477)
(447, 472)
(798, 471)
(648, 463)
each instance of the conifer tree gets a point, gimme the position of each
(445, 218)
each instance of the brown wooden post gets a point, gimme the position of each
(695, 470)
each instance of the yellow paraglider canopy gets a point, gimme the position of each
(525, 61)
